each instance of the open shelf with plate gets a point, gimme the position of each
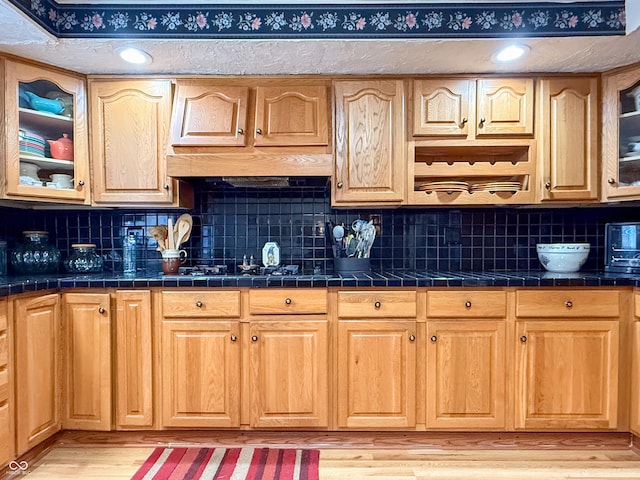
(478, 174)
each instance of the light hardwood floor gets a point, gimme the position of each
(510, 458)
(113, 463)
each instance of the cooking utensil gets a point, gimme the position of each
(183, 227)
(171, 242)
(338, 233)
(159, 233)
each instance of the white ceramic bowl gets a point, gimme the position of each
(563, 257)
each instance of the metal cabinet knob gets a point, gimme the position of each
(412, 338)
(287, 301)
(259, 131)
(547, 185)
(81, 183)
(523, 339)
(463, 122)
(233, 338)
(101, 310)
(611, 181)
(434, 338)
(482, 121)
(254, 338)
(467, 304)
(166, 186)
(199, 304)
(568, 304)
(240, 131)
(377, 304)
(339, 185)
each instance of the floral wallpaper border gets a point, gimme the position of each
(411, 20)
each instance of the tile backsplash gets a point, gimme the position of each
(230, 222)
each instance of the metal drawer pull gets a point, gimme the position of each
(259, 131)
(101, 310)
(434, 338)
(199, 304)
(240, 131)
(481, 124)
(463, 122)
(467, 304)
(523, 339)
(412, 338)
(287, 301)
(377, 304)
(568, 304)
(254, 338)
(233, 338)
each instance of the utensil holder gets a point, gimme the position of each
(351, 265)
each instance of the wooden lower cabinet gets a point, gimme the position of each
(566, 374)
(634, 419)
(6, 404)
(288, 372)
(200, 370)
(466, 374)
(377, 374)
(37, 369)
(133, 360)
(86, 339)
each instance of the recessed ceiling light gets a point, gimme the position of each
(134, 55)
(510, 53)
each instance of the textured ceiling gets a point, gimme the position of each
(21, 36)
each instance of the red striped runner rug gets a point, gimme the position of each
(230, 464)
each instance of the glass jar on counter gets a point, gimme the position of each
(83, 259)
(36, 254)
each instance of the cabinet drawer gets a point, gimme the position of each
(567, 303)
(4, 385)
(198, 304)
(4, 349)
(377, 304)
(287, 301)
(466, 304)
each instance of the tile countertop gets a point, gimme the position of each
(393, 278)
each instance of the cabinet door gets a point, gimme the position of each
(129, 134)
(37, 368)
(40, 108)
(370, 142)
(376, 374)
(288, 362)
(504, 107)
(200, 374)
(635, 376)
(209, 115)
(86, 327)
(567, 374)
(568, 138)
(466, 374)
(291, 116)
(442, 107)
(620, 134)
(134, 408)
(6, 399)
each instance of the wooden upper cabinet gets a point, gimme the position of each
(567, 135)
(206, 114)
(370, 142)
(469, 109)
(620, 134)
(41, 105)
(291, 116)
(443, 107)
(129, 134)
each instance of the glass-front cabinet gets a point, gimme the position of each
(621, 135)
(45, 155)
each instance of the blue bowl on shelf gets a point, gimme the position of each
(50, 105)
